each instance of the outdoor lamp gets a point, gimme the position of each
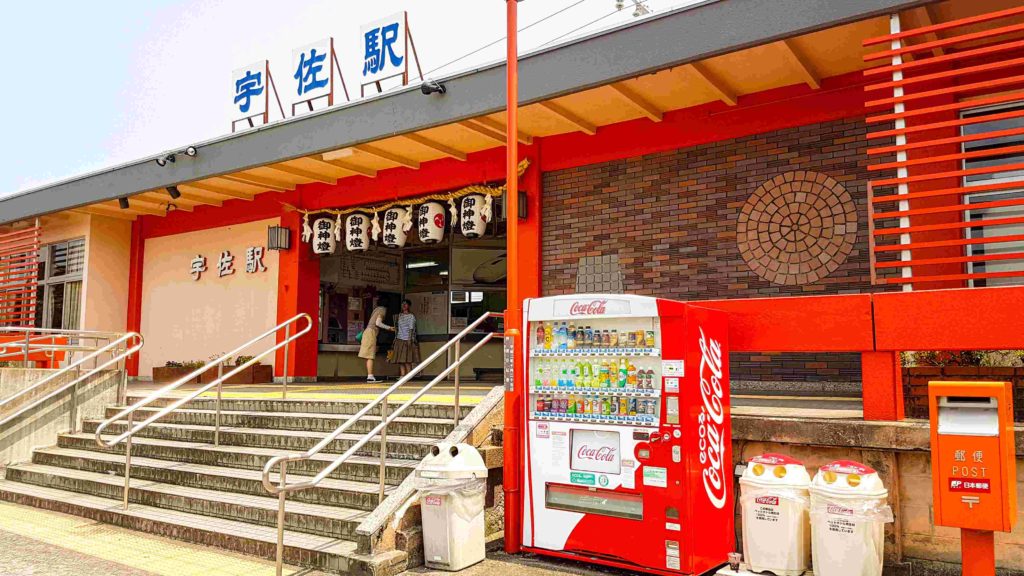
(123, 202)
(173, 192)
(522, 204)
(278, 238)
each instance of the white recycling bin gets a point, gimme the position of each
(452, 484)
(774, 506)
(848, 517)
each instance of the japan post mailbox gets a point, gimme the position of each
(973, 461)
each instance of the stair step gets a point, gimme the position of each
(331, 521)
(330, 491)
(283, 440)
(308, 550)
(340, 406)
(401, 426)
(358, 468)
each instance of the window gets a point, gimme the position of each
(59, 293)
(1004, 203)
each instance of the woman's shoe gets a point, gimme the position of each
(371, 379)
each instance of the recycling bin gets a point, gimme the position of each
(452, 485)
(848, 517)
(774, 506)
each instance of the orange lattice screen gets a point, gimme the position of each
(946, 208)
(19, 256)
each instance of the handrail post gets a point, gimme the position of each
(73, 402)
(383, 448)
(280, 518)
(458, 367)
(27, 344)
(216, 424)
(287, 345)
(128, 460)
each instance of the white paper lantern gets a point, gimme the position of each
(323, 236)
(431, 222)
(357, 232)
(473, 219)
(394, 232)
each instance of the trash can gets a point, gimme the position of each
(774, 507)
(848, 516)
(452, 484)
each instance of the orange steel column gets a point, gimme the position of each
(882, 385)
(513, 315)
(978, 552)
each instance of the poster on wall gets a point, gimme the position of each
(485, 266)
(431, 311)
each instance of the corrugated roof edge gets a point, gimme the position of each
(687, 34)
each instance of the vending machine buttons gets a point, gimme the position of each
(677, 434)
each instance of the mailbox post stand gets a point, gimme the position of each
(978, 552)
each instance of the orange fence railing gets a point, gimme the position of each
(19, 256)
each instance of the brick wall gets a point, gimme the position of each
(671, 218)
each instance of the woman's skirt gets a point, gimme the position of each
(406, 352)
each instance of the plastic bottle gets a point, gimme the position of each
(580, 404)
(572, 404)
(548, 336)
(570, 340)
(613, 406)
(588, 337)
(604, 374)
(623, 373)
(540, 336)
(631, 375)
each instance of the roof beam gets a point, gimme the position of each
(360, 170)
(483, 131)
(307, 174)
(801, 64)
(101, 211)
(435, 145)
(498, 127)
(641, 104)
(926, 17)
(720, 88)
(219, 190)
(389, 156)
(272, 184)
(133, 208)
(201, 196)
(161, 203)
(570, 117)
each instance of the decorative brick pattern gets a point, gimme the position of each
(671, 218)
(797, 228)
(599, 274)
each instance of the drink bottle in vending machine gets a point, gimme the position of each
(627, 455)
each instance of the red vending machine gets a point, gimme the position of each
(627, 434)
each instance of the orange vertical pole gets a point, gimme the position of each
(513, 315)
(978, 552)
(882, 385)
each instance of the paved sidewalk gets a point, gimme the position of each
(36, 542)
(500, 564)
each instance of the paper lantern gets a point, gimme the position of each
(431, 222)
(357, 233)
(394, 227)
(323, 236)
(473, 219)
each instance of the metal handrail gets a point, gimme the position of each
(118, 356)
(282, 489)
(129, 412)
(43, 340)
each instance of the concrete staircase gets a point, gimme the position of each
(184, 487)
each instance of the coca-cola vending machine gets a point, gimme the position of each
(627, 433)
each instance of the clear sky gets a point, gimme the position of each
(94, 84)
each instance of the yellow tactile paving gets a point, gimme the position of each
(137, 550)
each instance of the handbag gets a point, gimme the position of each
(359, 336)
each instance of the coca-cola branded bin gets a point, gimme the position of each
(626, 434)
(775, 502)
(848, 517)
(452, 481)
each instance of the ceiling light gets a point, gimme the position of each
(423, 264)
(191, 151)
(123, 203)
(163, 161)
(173, 192)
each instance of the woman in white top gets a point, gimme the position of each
(406, 349)
(368, 344)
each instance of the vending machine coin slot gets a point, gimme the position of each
(643, 454)
(677, 454)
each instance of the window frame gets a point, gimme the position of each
(46, 282)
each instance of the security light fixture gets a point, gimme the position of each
(278, 238)
(123, 203)
(191, 151)
(431, 86)
(163, 161)
(173, 192)
(522, 204)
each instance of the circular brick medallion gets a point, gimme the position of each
(797, 228)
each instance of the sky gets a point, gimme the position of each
(97, 84)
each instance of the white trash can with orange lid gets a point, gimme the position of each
(774, 504)
(848, 517)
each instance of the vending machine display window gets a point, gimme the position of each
(594, 501)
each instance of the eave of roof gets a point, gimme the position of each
(684, 35)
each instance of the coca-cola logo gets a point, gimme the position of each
(711, 422)
(769, 500)
(588, 308)
(600, 454)
(836, 509)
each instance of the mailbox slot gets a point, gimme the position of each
(968, 416)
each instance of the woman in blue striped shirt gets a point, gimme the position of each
(406, 348)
